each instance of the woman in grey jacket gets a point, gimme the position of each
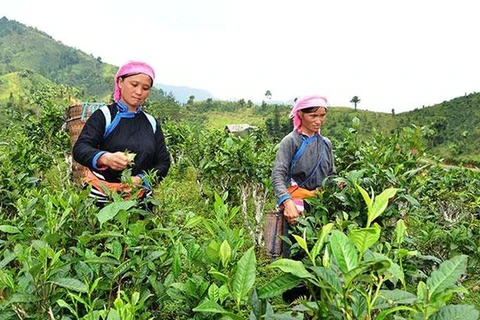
(304, 158)
(303, 161)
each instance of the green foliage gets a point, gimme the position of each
(347, 276)
(197, 253)
(34, 146)
(448, 219)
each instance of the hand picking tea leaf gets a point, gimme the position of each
(131, 156)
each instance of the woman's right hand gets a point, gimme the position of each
(290, 211)
(117, 161)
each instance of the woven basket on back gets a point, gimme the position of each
(77, 115)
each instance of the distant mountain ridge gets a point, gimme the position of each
(182, 93)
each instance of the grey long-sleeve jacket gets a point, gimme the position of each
(281, 176)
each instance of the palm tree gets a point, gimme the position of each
(268, 95)
(355, 100)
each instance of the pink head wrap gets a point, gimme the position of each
(306, 102)
(132, 67)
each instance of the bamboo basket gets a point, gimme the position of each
(77, 115)
(274, 221)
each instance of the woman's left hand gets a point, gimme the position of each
(290, 211)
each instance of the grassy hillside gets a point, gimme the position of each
(451, 128)
(218, 119)
(454, 127)
(24, 92)
(26, 48)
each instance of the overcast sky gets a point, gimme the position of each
(391, 54)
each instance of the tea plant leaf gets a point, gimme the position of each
(326, 229)
(359, 304)
(400, 231)
(78, 298)
(111, 210)
(352, 275)
(7, 315)
(291, 266)
(456, 312)
(395, 273)
(422, 291)
(225, 253)
(380, 204)
(131, 156)
(219, 276)
(113, 315)
(102, 260)
(413, 172)
(411, 200)
(22, 298)
(213, 292)
(365, 238)
(9, 229)
(382, 315)
(224, 292)
(390, 298)
(193, 221)
(124, 267)
(135, 298)
(7, 279)
(117, 249)
(326, 261)
(209, 306)
(256, 312)
(8, 257)
(278, 286)
(330, 278)
(107, 234)
(447, 274)
(176, 263)
(244, 277)
(343, 251)
(71, 284)
(63, 304)
(212, 251)
(391, 270)
(301, 242)
(365, 196)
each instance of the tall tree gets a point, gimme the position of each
(268, 95)
(355, 100)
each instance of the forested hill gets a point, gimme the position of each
(25, 48)
(454, 126)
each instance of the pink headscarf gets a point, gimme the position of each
(131, 67)
(306, 102)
